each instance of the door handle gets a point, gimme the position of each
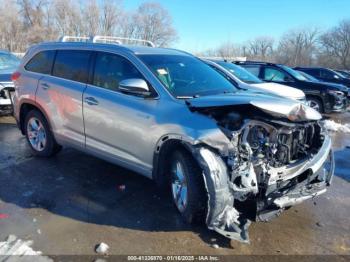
(91, 101)
(45, 85)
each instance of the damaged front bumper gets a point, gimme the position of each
(286, 186)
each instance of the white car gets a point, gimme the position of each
(247, 80)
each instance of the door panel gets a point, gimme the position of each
(62, 101)
(116, 126)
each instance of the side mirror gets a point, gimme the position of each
(134, 86)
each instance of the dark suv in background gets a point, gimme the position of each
(320, 96)
(326, 75)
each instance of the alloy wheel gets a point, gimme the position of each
(36, 134)
(179, 186)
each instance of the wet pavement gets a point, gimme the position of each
(71, 202)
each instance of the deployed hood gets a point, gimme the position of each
(281, 90)
(273, 105)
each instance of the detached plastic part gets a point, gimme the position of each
(222, 217)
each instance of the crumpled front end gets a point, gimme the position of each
(270, 165)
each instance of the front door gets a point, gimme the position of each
(118, 125)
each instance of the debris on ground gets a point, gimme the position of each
(102, 248)
(216, 246)
(319, 224)
(15, 246)
(336, 127)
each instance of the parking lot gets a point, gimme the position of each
(68, 204)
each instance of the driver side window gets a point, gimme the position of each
(327, 74)
(272, 74)
(111, 69)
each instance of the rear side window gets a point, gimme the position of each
(313, 72)
(254, 69)
(110, 69)
(41, 62)
(272, 74)
(72, 65)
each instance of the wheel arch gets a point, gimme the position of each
(25, 108)
(166, 145)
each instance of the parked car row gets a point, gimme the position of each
(8, 64)
(325, 97)
(227, 150)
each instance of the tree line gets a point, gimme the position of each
(309, 46)
(26, 22)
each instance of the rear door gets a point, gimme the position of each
(60, 94)
(117, 125)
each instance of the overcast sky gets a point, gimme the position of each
(203, 24)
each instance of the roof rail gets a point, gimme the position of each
(253, 62)
(68, 38)
(106, 40)
(120, 40)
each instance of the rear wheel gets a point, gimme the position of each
(187, 187)
(315, 104)
(39, 135)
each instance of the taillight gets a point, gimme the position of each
(15, 76)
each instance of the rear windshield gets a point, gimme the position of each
(8, 62)
(241, 73)
(187, 76)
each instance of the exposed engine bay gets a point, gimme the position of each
(272, 164)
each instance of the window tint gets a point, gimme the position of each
(187, 76)
(253, 69)
(272, 74)
(313, 72)
(72, 65)
(110, 69)
(326, 74)
(41, 62)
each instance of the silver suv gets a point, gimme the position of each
(227, 155)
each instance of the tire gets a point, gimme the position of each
(315, 103)
(39, 135)
(193, 209)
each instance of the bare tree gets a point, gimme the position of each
(91, 18)
(111, 16)
(152, 22)
(67, 17)
(11, 28)
(297, 47)
(260, 48)
(335, 44)
(228, 50)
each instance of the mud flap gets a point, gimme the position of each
(222, 217)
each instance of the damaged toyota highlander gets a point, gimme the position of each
(227, 156)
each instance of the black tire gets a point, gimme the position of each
(51, 147)
(195, 208)
(317, 102)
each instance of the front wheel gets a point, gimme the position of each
(39, 135)
(315, 103)
(187, 187)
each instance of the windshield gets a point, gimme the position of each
(294, 73)
(309, 77)
(8, 62)
(186, 76)
(240, 73)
